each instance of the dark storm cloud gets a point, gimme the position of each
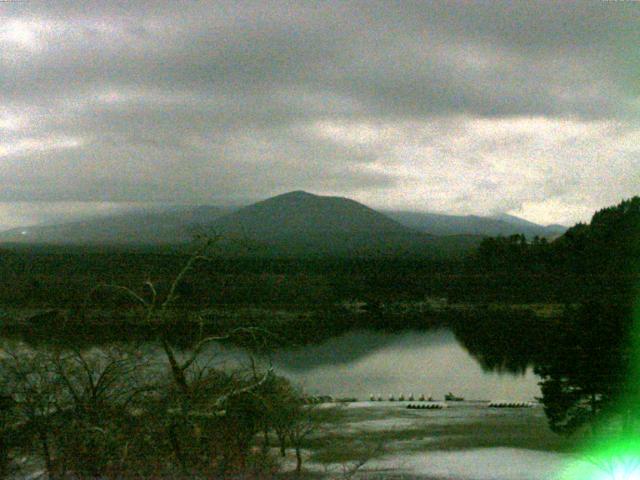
(201, 101)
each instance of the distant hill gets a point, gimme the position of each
(303, 223)
(293, 223)
(548, 231)
(505, 225)
(168, 226)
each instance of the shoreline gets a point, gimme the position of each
(282, 325)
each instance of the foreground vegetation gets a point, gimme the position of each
(110, 414)
(113, 413)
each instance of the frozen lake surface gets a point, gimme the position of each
(477, 464)
(465, 441)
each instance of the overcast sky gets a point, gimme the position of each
(531, 108)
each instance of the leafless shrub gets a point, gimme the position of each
(107, 413)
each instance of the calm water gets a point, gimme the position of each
(358, 364)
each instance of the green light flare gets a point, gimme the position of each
(617, 460)
(635, 368)
(616, 457)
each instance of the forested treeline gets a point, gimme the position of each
(609, 244)
(586, 360)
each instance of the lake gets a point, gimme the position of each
(466, 441)
(361, 363)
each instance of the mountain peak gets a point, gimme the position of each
(295, 194)
(317, 223)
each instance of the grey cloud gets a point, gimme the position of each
(123, 166)
(190, 102)
(415, 59)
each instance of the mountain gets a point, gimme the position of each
(168, 226)
(505, 225)
(302, 223)
(294, 223)
(301, 213)
(526, 226)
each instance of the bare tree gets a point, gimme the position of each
(38, 398)
(159, 314)
(101, 384)
(111, 376)
(158, 311)
(88, 410)
(303, 424)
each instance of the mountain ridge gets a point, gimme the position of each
(445, 224)
(305, 220)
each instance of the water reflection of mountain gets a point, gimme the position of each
(356, 346)
(498, 343)
(428, 361)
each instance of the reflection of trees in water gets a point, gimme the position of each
(582, 359)
(585, 373)
(502, 340)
